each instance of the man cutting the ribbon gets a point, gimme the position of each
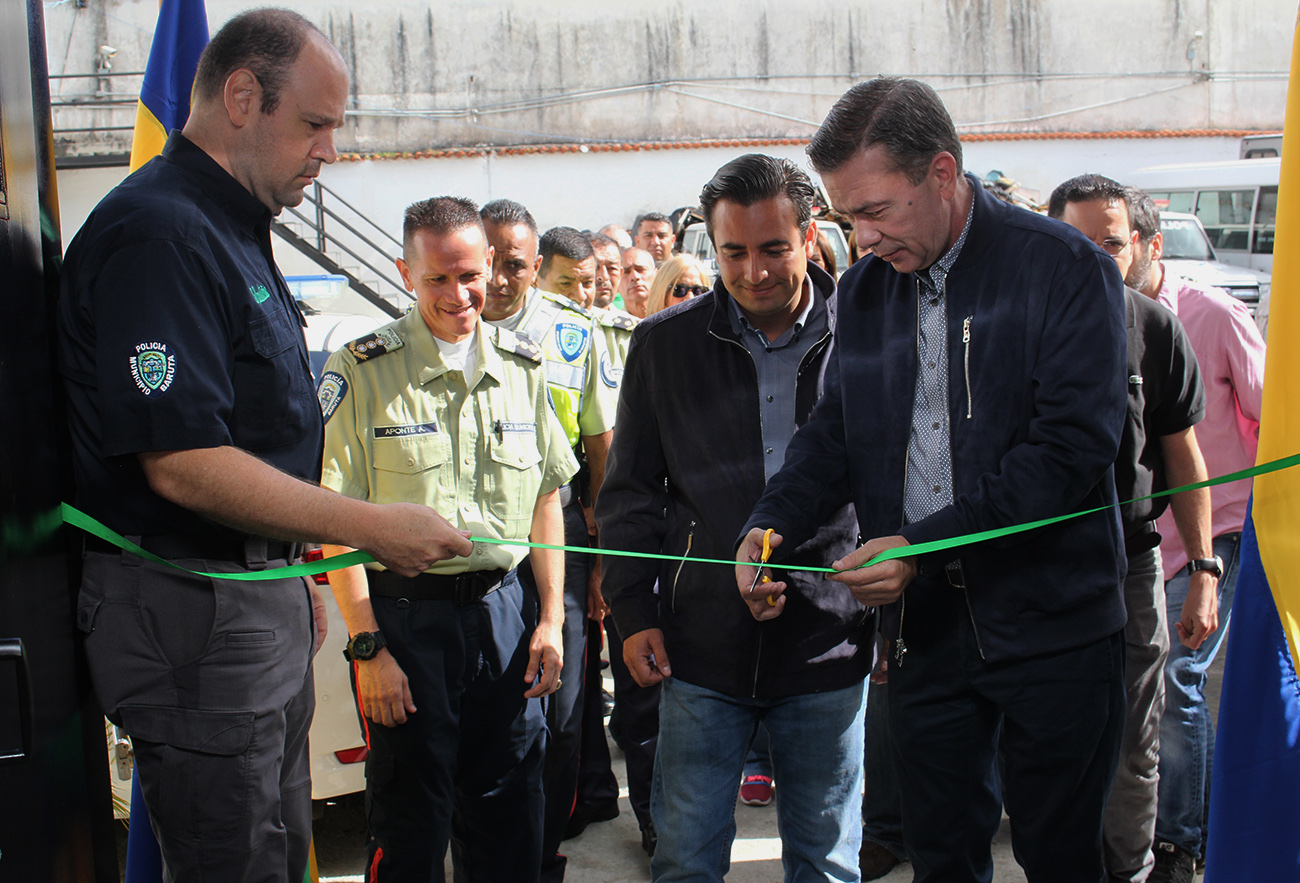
(713, 390)
(978, 382)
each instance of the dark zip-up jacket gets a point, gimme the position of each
(685, 469)
(1037, 400)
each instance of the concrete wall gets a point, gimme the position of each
(498, 72)
(592, 189)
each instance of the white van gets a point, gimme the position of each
(1236, 202)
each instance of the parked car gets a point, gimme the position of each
(1188, 253)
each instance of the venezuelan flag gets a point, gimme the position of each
(1254, 830)
(178, 41)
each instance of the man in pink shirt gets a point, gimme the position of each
(1230, 352)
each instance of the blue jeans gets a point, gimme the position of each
(1187, 729)
(758, 762)
(816, 744)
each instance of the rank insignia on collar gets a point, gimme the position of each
(153, 367)
(385, 340)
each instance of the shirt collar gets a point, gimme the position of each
(938, 271)
(247, 210)
(740, 322)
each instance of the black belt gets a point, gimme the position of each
(247, 550)
(463, 588)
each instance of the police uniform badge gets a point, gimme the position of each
(570, 340)
(332, 390)
(610, 374)
(385, 340)
(153, 367)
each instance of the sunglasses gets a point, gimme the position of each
(683, 291)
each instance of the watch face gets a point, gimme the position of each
(363, 645)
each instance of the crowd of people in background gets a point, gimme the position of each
(980, 366)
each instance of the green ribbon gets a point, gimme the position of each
(79, 519)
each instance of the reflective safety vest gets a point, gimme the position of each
(571, 344)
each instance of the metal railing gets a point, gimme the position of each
(337, 231)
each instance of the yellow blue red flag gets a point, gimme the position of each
(178, 41)
(1254, 828)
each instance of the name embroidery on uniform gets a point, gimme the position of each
(259, 293)
(404, 431)
(611, 374)
(331, 391)
(570, 339)
(502, 426)
(153, 367)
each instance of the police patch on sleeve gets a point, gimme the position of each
(153, 367)
(570, 340)
(610, 374)
(331, 391)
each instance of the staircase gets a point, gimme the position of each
(333, 233)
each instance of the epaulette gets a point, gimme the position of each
(375, 344)
(619, 319)
(514, 342)
(566, 303)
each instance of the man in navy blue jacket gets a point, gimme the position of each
(979, 383)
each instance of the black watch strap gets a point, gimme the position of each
(364, 645)
(1212, 565)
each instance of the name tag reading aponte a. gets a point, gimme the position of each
(404, 431)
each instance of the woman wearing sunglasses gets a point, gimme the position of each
(680, 277)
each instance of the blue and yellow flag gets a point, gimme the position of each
(178, 42)
(1254, 829)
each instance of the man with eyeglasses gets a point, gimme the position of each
(713, 391)
(1230, 351)
(1158, 450)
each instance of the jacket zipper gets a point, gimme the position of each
(758, 655)
(965, 339)
(690, 540)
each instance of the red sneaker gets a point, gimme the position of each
(756, 790)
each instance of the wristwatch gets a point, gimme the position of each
(364, 645)
(1213, 565)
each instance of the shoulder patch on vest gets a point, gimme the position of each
(514, 342)
(385, 340)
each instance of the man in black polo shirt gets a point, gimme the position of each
(1157, 451)
(194, 425)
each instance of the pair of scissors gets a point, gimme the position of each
(760, 576)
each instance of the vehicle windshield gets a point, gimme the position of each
(1185, 240)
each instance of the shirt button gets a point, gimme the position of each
(410, 461)
(936, 425)
(936, 489)
(934, 302)
(769, 398)
(469, 461)
(769, 450)
(931, 364)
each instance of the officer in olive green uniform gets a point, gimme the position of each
(572, 345)
(440, 409)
